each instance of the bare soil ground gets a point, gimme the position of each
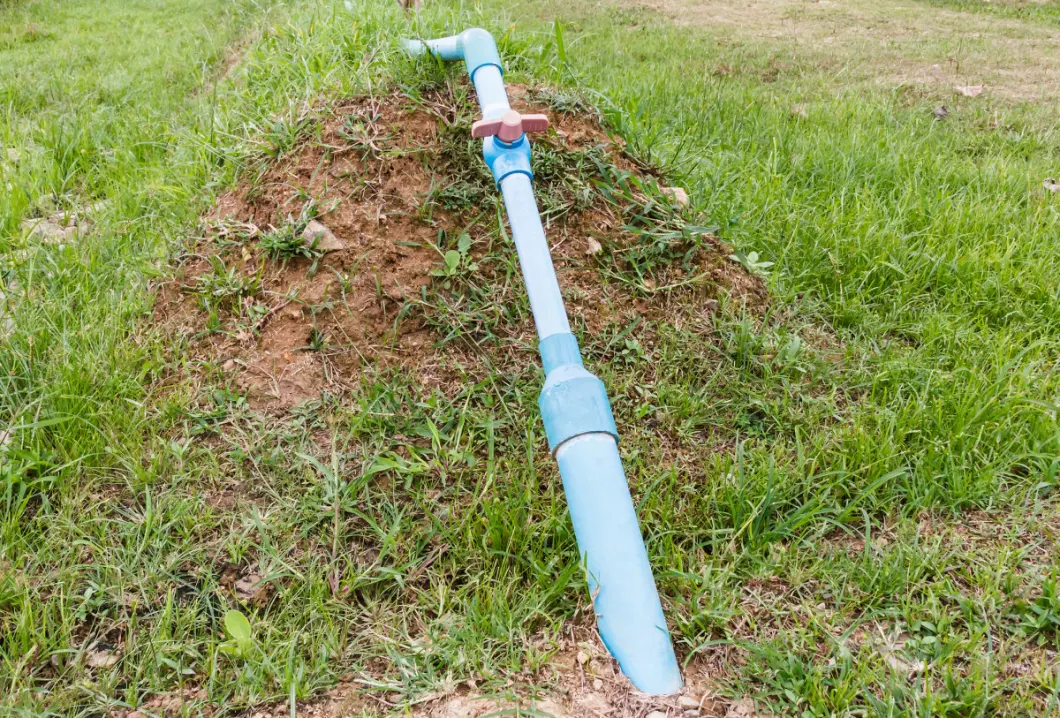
(891, 42)
(381, 177)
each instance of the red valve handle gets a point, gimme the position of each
(510, 126)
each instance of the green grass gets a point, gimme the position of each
(864, 479)
(926, 247)
(1047, 12)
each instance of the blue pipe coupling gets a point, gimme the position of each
(505, 158)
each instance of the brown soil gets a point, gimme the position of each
(581, 681)
(365, 298)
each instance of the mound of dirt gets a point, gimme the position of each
(375, 239)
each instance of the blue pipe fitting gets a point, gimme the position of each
(573, 401)
(474, 46)
(559, 350)
(505, 158)
(479, 51)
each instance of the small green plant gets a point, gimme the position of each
(283, 135)
(317, 340)
(224, 286)
(459, 196)
(751, 263)
(288, 242)
(363, 133)
(561, 67)
(25, 476)
(454, 261)
(1039, 619)
(240, 643)
(789, 352)
(923, 641)
(208, 418)
(345, 280)
(631, 352)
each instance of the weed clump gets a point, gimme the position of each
(223, 286)
(289, 241)
(1039, 619)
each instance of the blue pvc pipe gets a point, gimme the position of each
(628, 612)
(577, 415)
(492, 97)
(546, 301)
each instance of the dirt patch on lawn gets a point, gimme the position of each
(580, 681)
(891, 42)
(373, 240)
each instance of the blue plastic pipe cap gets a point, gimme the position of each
(628, 611)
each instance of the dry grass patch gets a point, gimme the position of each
(891, 42)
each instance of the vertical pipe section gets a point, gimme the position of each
(546, 301)
(489, 86)
(574, 406)
(628, 611)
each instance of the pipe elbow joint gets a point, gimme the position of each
(475, 46)
(479, 50)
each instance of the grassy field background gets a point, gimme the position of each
(859, 514)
